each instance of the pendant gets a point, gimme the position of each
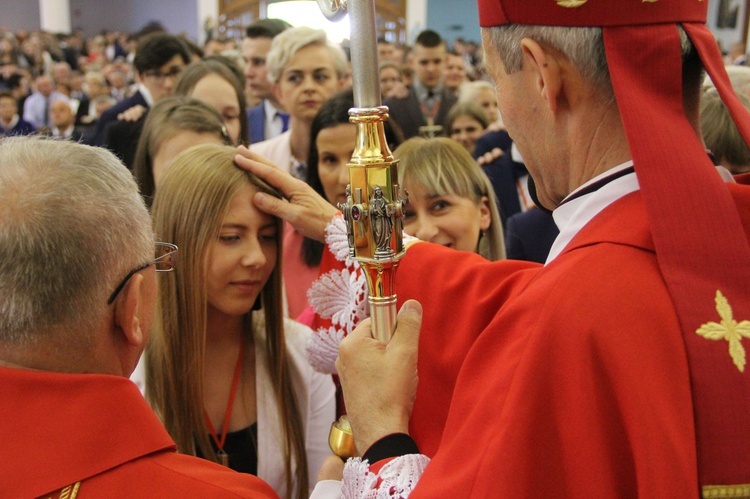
(223, 458)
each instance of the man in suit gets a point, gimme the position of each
(424, 109)
(159, 60)
(268, 118)
(62, 121)
(36, 106)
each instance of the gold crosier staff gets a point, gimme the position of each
(374, 208)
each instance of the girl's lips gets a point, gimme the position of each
(247, 285)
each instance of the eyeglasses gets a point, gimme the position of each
(158, 75)
(165, 256)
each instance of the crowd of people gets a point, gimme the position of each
(432, 89)
(171, 214)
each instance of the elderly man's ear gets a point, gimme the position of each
(547, 72)
(128, 307)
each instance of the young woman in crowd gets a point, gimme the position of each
(225, 371)
(221, 86)
(332, 138)
(451, 201)
(466, 122)
(484, 94)
(391, 80)
(173, 125)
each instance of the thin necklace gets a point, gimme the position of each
(221, 455)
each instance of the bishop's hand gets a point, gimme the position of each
(304, 208)
(380, 380)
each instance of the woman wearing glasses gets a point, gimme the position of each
(218, 85)
(225, 371)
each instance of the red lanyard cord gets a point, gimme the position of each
(232, 393)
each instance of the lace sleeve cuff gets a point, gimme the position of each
(396, 479)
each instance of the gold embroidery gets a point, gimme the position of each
(70, 492)
(735, 491)
(729, 329)
(571, 3)
(649, 1)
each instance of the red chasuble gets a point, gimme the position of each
(90, 435)
(578, 385)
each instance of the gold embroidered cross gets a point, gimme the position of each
(729, 329)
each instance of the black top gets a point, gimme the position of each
(242, 448)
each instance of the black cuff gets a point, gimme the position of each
(393, 445)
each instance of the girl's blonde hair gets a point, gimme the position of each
(188, 211)
(443, 167)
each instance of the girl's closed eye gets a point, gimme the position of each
(269, 236)
(229, 238)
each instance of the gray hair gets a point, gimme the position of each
(720, 133)
(291, 41)
(739, 76)
(72, 225)
(583, 46)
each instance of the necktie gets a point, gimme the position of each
(46, 111)
(284, 120)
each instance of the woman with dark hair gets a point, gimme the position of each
(219, 85)
(331, 146)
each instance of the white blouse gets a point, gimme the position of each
(316, 397)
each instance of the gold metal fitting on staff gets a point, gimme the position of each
(373, 213)
(374, 207)
(341, 439)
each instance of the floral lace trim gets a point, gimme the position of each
(339, 295)
(396, 479)
(337, 240)
(323, 348)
